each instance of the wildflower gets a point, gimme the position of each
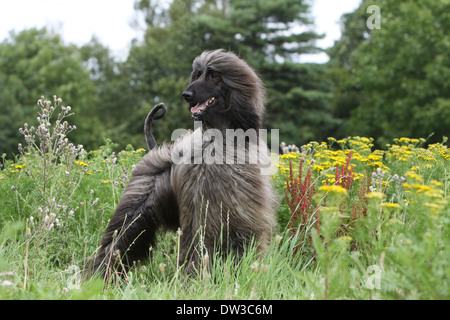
(346, 238)
(6, 283)
(421, 188)
(162, 267)
(81, 163)
(373, 157)
(391, 205)
(414, 176)
(290, 155)
(331, 139)
(278, 239)
(333, 189)
(13, 187)
(436, 183)
(375, 195)
(318, 168)
(432, 205)
(255, 266)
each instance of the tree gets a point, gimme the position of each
(398, 75)
(270, 35)
(35, 63)
(115, 101)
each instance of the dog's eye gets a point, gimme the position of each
(213, 75)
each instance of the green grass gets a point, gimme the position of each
(383, 234)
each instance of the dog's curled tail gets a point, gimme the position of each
(153, 115)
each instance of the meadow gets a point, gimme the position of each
(355, 222)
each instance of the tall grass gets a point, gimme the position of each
(355, 223)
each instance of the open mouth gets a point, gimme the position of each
(201, 107)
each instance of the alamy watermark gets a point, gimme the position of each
(234, 146)
(373, 280)
(374, 21)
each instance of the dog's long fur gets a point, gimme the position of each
(220, 207)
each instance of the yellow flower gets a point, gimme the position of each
(433, 205)
(81, 163)
(333, 189)
(19, 166)
(375, 195)
(331, 139)
(105, 181)
(376, 164)
(391, 205)
(421, 188)
(291, 155)
(436, 183)
(318, 168)
(373, 157)
(414, 176)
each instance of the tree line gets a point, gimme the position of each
(382, 83)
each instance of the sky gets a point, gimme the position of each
(110, 21)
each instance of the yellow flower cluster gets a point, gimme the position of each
(81, 163)
(433, 193)
(333, 189)
(386, 168)
(408, 151)
(321, 156)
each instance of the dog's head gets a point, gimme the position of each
(225, 92)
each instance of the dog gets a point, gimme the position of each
(209, 184)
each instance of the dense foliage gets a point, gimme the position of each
(394, 81)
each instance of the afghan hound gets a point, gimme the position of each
(209, 183)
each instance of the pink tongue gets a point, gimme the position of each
(198, 107)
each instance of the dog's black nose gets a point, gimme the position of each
(187, 95)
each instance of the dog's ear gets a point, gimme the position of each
(243, 111)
